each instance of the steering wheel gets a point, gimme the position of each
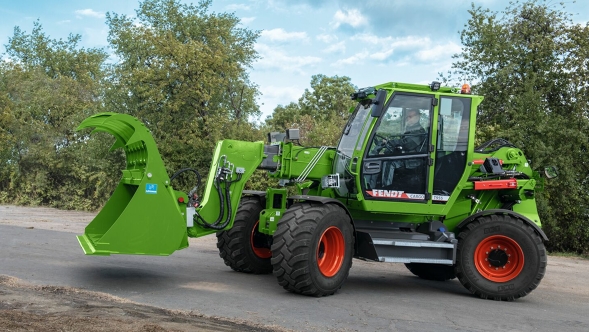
(386, 143)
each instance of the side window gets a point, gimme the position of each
(404, 127)
(453, 129)
(454, 124)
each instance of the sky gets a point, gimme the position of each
(372, 42)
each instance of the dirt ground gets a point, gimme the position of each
(26, 307)
(48, 308)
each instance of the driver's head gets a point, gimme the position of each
(412, 117)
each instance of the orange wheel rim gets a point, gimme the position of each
(499, 258)
(261, 252)
(330, 251)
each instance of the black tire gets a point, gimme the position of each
(500, 257)
(437, 272)
(242, 247)
(307, 241)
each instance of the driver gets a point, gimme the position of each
(413, 139)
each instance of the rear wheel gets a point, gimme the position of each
(438, 272)
(313, 248)
(500, 257)
(243, 248)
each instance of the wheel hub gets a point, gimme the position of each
(331, 251)
(260, 243)
(499, 258)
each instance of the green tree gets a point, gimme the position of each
(531, 64)
(320, 113)
(46, 88)
(183, 72)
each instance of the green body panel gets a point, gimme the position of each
(275, 207)
(137, 222)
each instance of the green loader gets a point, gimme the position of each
(405, 184)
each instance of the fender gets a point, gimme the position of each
(502, 211)
(322, 200)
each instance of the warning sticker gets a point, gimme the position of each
(151, 188)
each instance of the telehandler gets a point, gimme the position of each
(405, 184)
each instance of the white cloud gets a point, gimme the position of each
(410, 49)
(89, 12)
(354, 59)
(275, 58)
(381, 56)
(335, 48)
(442, 51)
(247, 20)
(280, 35)
(351, 17)
(273, 96)
(235, 6)
(328, 39)
(96, 37)
(63, 22)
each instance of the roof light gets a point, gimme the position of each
(435, 86)
(465, 89)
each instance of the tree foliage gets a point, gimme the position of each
(47, 88)
(532, 65)
(320, 113)
(183, 71)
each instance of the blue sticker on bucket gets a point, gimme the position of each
(151, 188)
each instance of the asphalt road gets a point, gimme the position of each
(376, 297)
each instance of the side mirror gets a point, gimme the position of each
(550, 172)
(378, 103)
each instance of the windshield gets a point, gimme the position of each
(353, 131)
(352, 138)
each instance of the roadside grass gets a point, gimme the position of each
(569, 254)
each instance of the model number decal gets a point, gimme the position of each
(491, 229)
(504, 288)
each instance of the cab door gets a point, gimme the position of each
(452, 145)
(397, 161)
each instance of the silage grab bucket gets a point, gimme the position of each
(142, 216)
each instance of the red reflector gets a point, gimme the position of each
(495, 184)
(482, 161)
(181, 199)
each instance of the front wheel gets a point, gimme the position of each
(500, 257)
(313, 248)
(243, 248)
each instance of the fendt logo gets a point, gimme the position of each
(386, 193)
(381, 193)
